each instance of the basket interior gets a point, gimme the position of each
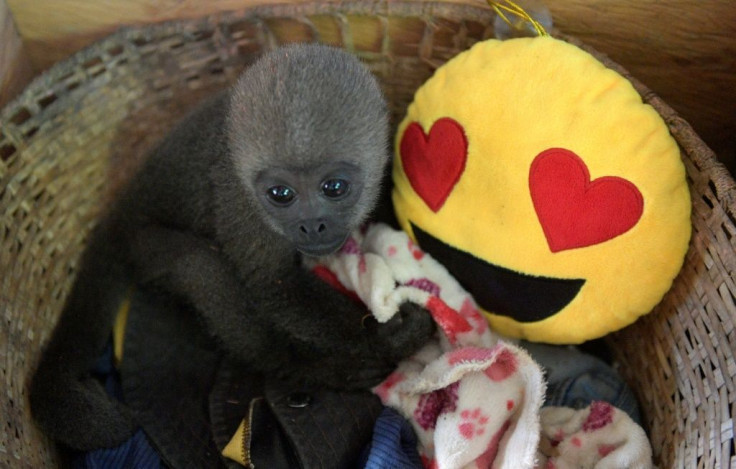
(76, 134)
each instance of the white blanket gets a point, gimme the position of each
(473, 398)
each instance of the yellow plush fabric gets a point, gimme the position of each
(533, 115)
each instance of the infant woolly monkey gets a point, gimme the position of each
(285, 164)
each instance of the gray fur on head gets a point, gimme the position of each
(303, 105)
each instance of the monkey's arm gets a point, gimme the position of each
(354, 353)
(284, 320)
(193, 269)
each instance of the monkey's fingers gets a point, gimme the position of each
(407, 332)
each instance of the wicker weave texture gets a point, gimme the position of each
(76, 133)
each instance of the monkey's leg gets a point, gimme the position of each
(167, 371)
(67, 402)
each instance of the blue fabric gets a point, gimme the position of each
(576, 379)
(394, 444)
(137, 452)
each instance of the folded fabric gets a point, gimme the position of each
(136, 452)
(394, 444)
(599, 436)
(473, 399)
(576, 379)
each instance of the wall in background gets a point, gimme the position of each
(15, 64)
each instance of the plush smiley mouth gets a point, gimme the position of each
(521, 297)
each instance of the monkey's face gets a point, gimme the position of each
(308, 134)
(315, 208)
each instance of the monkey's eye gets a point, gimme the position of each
(281, 195)
(335, 188)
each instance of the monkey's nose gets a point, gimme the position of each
(319, 237)
(313, 228)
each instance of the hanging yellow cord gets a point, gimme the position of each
(510, 7)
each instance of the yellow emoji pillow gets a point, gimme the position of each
(538, 177)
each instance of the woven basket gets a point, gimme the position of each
(75, 134)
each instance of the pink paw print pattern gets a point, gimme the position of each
(424, 284)
(605, 450)
(415, 251)
(435, 403)
(383, 389)
(474, 423)
(351, 246)
(601, 414)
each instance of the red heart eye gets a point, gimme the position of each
(573, 210)
(434, 163)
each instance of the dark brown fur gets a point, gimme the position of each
(195, 224)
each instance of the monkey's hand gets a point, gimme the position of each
(405, 333)
(367, 359)
(399, 338)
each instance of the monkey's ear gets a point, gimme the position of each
(560, 202)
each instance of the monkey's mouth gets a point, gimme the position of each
(521, 297)
(322, 249)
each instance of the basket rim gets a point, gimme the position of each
(704, 157)
(161, 29)
(688, 140)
